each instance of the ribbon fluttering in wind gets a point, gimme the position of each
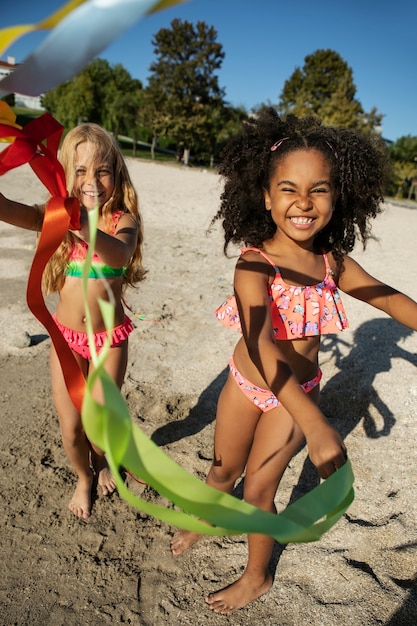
(110, 426)
(97, 22)
(37, 144)
(81, 29)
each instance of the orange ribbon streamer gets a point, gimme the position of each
(37, 144)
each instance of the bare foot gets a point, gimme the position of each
(106, 481)
(80, 504)
(104, 477)
(182, 540)
(238, 594)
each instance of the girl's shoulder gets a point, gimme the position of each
(347, 273)
(122, 217)
(353, 276)
(258, 254)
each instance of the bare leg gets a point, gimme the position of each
(277, 439)
(184, 539)
(74, 441)
(115, 365)
(254, 582)
(231, 449)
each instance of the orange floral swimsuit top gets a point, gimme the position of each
(296, 311)
(98, 269)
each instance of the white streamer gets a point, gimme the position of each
(75, 41)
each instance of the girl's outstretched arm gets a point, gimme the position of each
(21, 215)
(356, 282)
(325, 445)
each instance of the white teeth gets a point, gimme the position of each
(301, 220)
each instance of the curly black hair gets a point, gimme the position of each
(359, 168)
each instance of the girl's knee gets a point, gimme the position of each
(72, 436)
(262, 498)
(223, 475)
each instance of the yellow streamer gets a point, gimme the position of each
(11, 33)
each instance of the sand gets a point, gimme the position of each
(116, 567)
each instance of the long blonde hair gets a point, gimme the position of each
(124, 198)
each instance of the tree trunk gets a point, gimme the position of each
(153, 144)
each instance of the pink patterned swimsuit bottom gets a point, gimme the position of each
(78, 341)
(264, 399)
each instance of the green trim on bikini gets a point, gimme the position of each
(97, 270)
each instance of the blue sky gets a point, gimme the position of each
(265, 40)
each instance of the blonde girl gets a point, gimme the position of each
(97, 175)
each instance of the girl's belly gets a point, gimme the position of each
(301, 354)
(71, 308)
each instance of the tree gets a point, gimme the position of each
(222, 123)
(324, 87)
(152, 114)
(100, 93)
(122, 100)
(82, 97)
(404, 149)
(403, 154)
(182, 80)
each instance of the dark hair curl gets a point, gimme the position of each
(359, 167)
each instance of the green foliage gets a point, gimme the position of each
(100, 93)
(182, 103)
(404, 149)
(122, 101)
(183, 87)
(324, 88)
(403, 154)
(183, 106)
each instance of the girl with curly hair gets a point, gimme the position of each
(97, 175)
(296, 195)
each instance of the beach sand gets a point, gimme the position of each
(116, 567)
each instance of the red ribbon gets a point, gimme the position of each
(37, 144)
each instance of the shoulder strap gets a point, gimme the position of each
(116, 215)
(265, 256)
(326, 262)
(329, 271)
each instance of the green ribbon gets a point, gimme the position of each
(111, 428)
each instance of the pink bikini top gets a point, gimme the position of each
(296, 311)
(98, 269)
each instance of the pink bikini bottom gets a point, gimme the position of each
(78, 341)
(264, 399)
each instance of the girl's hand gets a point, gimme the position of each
(326, 449)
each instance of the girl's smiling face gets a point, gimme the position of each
(301, 195)
(94, 177)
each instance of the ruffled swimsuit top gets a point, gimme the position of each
(98, 269)
(296, 311)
